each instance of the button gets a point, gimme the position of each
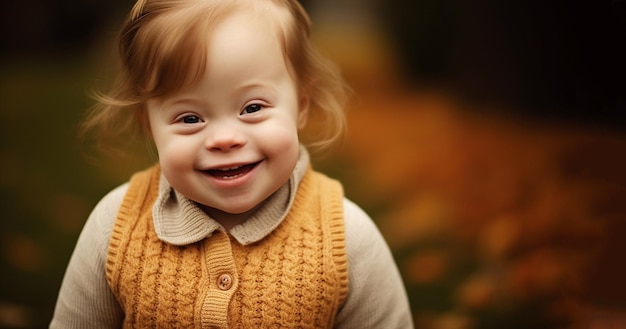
(225, 282)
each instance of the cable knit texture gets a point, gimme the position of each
(296, 277)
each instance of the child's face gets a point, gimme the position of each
(231, 140)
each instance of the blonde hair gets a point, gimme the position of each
(162, 49)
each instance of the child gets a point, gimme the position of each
(232, 228)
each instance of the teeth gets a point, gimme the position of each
(227, 169)
(231, 177)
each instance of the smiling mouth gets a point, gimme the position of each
(231, 172)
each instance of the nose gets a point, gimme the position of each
(225, 138)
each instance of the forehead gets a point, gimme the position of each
(211, 36)
(244, 39)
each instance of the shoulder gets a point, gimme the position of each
(376, 294)
(104, 213)
(365, 245)
(97, 229)
(361, 231)
(84, 299)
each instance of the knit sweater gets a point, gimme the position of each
(376, 297)
(295, 277)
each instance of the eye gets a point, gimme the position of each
(252, 108)
(190, 119)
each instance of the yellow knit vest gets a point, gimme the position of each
(297, 277)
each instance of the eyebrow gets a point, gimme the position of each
(183, 100)
(248, 85)
(254, 85)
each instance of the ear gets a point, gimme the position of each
(303, 111)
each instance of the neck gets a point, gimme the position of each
(228, 220)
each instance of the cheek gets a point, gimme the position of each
(280, 137)
(170, 148)
(174, 153)
(177, 162)
(283, 150)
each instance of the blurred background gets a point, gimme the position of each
(487, 140)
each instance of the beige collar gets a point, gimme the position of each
(179, 221)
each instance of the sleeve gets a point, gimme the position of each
(376, 294)
(85, 300)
